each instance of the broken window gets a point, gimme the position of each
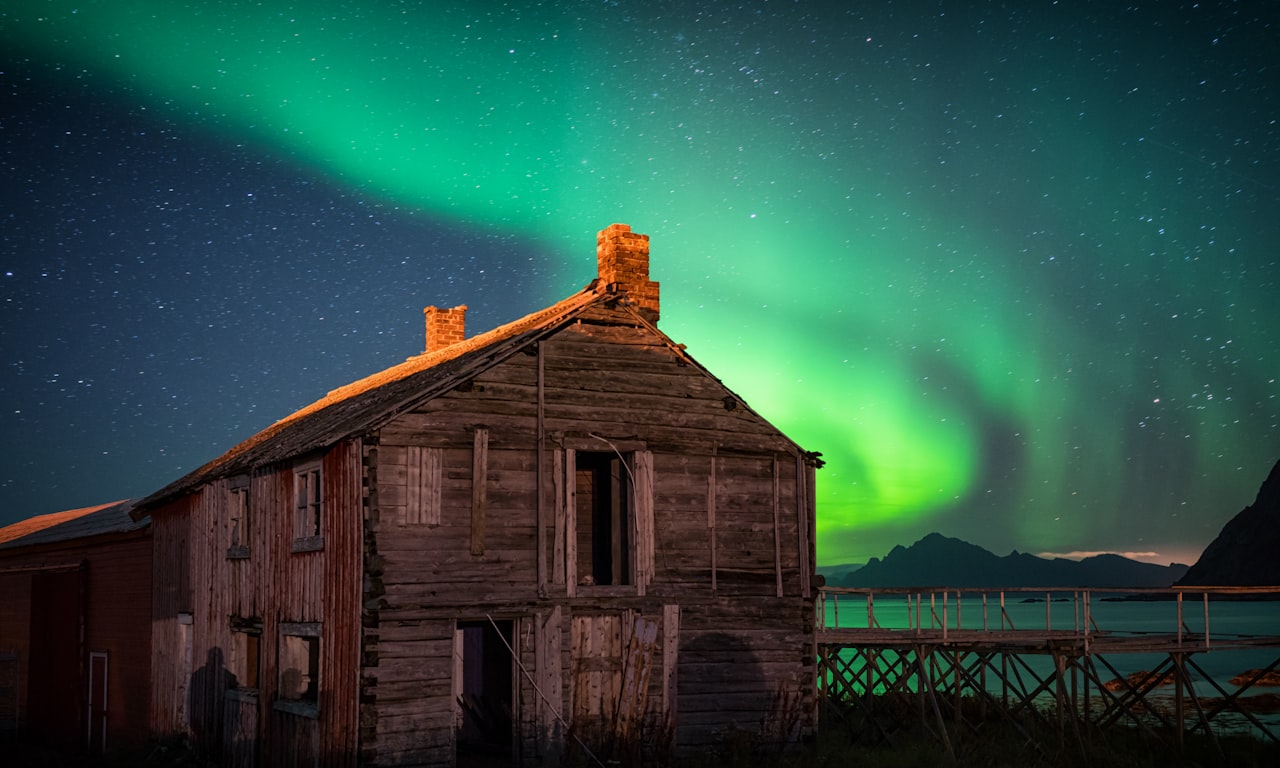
(603, 518)
(246, 652)
(299, 665)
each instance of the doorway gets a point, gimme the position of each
(483, 684)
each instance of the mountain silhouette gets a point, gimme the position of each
(1247, 551)
(941, 561)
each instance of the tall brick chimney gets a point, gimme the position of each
(445, 326)
(623, 260)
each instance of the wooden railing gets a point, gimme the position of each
(946, 612)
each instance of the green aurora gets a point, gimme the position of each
(1014, 278)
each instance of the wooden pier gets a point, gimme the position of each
(952, 661)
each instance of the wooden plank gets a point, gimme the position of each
(802, 529)
(711, 515)
(777, 527)
(547, 669)
(644, 545)
(479, 483)
(423, 485)
(634, 686)
(413, 485)
(570, 522)
(559, 526)
(670, 663)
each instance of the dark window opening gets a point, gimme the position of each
(246, 635)
(484, 682)
(603, 521)
(238, 518)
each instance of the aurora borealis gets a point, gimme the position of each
(1012, 271)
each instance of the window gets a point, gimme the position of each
(308, 508)
(238, 517)
(603, 518)
(299, 665)
(246, 653)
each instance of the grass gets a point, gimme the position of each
(844, 739)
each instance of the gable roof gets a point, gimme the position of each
(376, 399)
(72, 524)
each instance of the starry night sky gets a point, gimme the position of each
(1012, 270)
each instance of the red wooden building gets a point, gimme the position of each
(75, 628)
(561, 534)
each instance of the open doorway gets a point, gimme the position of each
(483, 682)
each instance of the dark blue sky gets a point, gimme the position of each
(1012, 270)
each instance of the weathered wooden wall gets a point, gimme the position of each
(460, 509)
(110, 613)
(201, 591)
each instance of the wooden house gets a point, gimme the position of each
(75, 628)
(562, 534)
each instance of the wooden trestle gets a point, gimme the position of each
(951, 677)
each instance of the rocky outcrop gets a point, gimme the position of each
(1247, 551)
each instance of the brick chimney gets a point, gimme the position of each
(444, 326)
(623, 259)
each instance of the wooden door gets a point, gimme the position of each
(53, 690)
(612, 662)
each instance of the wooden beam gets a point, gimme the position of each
(802, 527)
(711, 514)
(777, 526)
(540, 523)
(670, 658)
(644, 520)
(570, 522)
(558, 525)
(479, 476)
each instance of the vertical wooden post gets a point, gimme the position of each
(644, 520)
(711, 514)
(479, 481)
(777, 527)
(670, 658)
(547, 669)
(570, 522)
(802, 528)
(540, 523)
(558, 526)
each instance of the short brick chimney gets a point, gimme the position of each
(623, 259)
(445, 326)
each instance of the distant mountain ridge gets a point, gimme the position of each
(941, 561)
(1246, 552)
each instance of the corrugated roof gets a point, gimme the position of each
(375, 399)
(72, 524)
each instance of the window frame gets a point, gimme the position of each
(610, 515)
(308, 506)
(636, 456)
(246, 637)
(310, 650)
(239, 518)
